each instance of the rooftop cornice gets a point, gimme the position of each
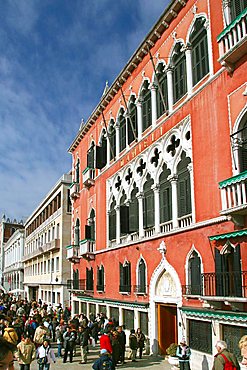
(148, 43)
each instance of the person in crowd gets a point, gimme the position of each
(6, 354)
(26, 352)
(95, 331)
(69, 338)
(82, 340)
(133, 345)
(40, 334)
(115, 346)
(105, 342)
(45, 355)
(104, 361)
(140, 341)
(60, 329)
(183, 354)
(243, 348)
(223, 356)
(66, 314)
(10, 334)
(122, 344)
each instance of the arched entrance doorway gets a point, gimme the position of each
(165, 299)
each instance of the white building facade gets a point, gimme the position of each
(47, 230)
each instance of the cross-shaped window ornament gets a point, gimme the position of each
(118, 183)
(128, 176)
(172, 147)
(155, 158)
(141, 167)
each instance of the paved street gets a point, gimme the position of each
(147, 362)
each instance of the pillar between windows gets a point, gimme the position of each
(156, 190)
(117, 125)
(169, 73)
(139, 118)
(154, 104)
(117, 209)
(190, 169)
(227, 11)
(174, 181)
(140, 204)
(136, 319)
(108, 314)
(188, 57)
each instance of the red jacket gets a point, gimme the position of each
(105, 343)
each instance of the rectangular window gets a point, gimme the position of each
(48, 266)
(57, 263)
(49, 296)
(52, 265)
(69, 204)
(45, 267)
(200, 336)
(58, 231)
(144, 322)
(128, 319)
(102, 309)
(58, 298)
(92, 308)
(84, 308)
(231, 335)
(53, 297)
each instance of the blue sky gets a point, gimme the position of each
(55, 56)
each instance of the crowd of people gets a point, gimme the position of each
(30, 327)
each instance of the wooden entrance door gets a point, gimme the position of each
(167, 326)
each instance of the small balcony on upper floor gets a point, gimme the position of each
(77, 284)
(87, 249)
(73, 253)
(233, 41)
(51, 246)
(74, 190)
(234, 197)
(88, 177)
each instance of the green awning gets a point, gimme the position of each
(215, 315)
(233, 234)
(231, 25)
(233, 180)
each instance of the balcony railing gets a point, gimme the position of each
(76, 284)
(87, 248)
(74, 190)
(124, 289)
(140, 289)
(234, 194)
(73, 253)
(233, 40)
(220, 284)
(88, 177)
(44, 248)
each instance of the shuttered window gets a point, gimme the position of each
(161, 109)
(133, 212)
(100, 278)
(142, 277)
(194, 270)
(184, 188)
(237, 7)
(148, 204)
(90, 157)
(200, 335)
(243, 148)
(122, 131)
(165, 196)
(125, 277)
(112, 140)
(101, 154)
(199, 43)
(179, 73)
(112, 222)
(89, 279)
(146, 107)
(132, 121)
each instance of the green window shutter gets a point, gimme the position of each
(121, 274)
(165, 203)
(124, 219)
(184, 194)
(133, 215)
(142, 277)
(122, 133)
(112, 225)
(100, 156)
(150, 209)
(88, 232)
(90, 158)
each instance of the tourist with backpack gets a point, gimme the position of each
(224, 360)
(183, 353)
(104, 362)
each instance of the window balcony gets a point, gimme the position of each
(220, 286)
(73, 253)
(233, 41)
(74, 190)
(88, 177)
(79, 284)
(125, 289)
(87, 248)
(140, 289)
(234, 195)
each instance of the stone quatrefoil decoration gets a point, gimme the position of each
(128, 177)
(118, 183)
(155, 159)
(140, 169)
(174, 144)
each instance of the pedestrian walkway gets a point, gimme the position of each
(147, 362)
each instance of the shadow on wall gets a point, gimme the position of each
(205, 365)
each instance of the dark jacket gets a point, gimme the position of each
(99, 363)
(83, 337)
(133, 341)
(219, 361)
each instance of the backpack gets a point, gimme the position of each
(228, 364)
(106, 364)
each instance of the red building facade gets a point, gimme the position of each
(159, 185)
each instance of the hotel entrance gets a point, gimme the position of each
(167, 326)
